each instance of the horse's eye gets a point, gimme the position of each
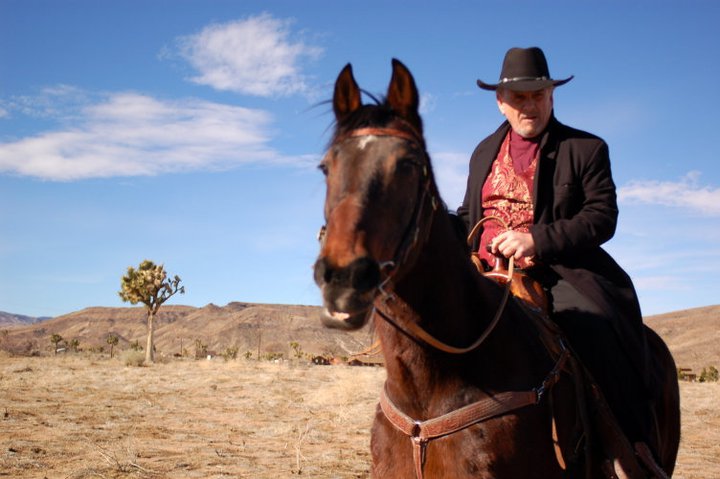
(407, 165)
(323, 168)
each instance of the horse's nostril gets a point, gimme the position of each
(365, 274)
(361, 275)
(322, 273)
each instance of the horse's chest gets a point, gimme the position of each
(465, 454)
(491, 449)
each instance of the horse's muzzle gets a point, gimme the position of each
(348, 292)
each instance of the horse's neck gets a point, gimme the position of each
(443, 287)
(446, 298)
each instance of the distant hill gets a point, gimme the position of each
(692, 335)
(9, 319)
(246, 326)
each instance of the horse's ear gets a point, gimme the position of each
(402, 94)
(346, 98)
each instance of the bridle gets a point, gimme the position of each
(416, 232)
(415, 235)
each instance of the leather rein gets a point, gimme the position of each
(422, 432)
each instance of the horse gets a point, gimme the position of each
(477, 384)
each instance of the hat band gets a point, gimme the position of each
(516, 79)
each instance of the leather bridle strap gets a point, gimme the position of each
(422, 432)
(410, 135)
(415, 233)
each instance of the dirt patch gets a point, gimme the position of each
(74, 417)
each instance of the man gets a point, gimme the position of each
(553, 186)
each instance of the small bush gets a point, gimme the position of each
(201, 350)
(685, 374)
(132, 357)
(272, 356)
(230, 353)
(297, 350)
(709, 374)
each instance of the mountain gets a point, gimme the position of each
(693, 335)
(9, 319)
(248, 327)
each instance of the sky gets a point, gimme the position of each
(188, 133)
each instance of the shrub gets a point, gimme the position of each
(297, 350)
(685, 374)
(132, 357)
(230, 353)
(709, 374)
(201, 349)
(272, 356)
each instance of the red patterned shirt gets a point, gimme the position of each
(508, 192)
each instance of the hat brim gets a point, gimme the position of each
(524, 85)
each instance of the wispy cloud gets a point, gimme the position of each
(254, 56)
(661, 283)
(54, 102)
(129, 134)
(685, 193)
(428, 103)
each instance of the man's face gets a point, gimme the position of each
(527, 111)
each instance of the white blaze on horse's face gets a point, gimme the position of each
(365, 140)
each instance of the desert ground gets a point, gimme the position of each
(93, 417)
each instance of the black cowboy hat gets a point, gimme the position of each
(524, 69)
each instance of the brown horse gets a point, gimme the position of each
(477, 386)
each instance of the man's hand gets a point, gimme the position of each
(513, 243)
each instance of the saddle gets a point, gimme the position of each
(597, 429)
(597, 436)
(503, 272)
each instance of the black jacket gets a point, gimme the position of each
(575, 212)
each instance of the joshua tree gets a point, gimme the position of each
(112, 340)
(296, 349)
(56, 339)
(150, 286)
(75, 344)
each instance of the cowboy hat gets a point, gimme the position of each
(524, 69)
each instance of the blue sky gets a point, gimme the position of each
(188, 132)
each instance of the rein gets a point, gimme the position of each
(413, 330)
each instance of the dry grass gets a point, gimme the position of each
(72, 417)
(75, 418)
